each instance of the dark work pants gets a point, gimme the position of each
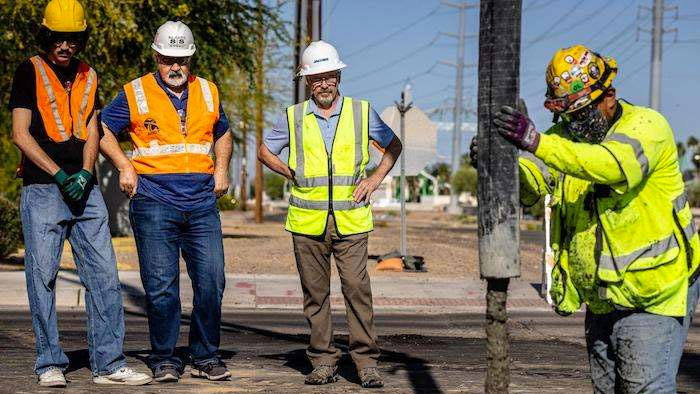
(313, 257)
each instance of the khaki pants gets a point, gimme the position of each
(313, 256)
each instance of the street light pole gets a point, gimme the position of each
(403, 106)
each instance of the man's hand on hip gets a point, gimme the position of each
(221, 183)
(365, 188)
(128, 180)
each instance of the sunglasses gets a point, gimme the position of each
(171, 60)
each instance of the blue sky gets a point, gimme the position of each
(384, 42)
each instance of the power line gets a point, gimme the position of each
(555, 34)
(611, 21)
(398, 81)
(554, 25)
(328, 18)
(396, 61)
(393, 34)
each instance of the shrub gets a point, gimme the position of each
(464, 180)
(274, 185)
(10, 228)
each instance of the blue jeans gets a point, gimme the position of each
(162, 233)
(47, 220)
(636, 352)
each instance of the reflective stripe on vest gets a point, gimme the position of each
(52, 96)
(323, 205)
(140, 96)
(74, 129)
(656, 249)
(638, 150)
(159, 150)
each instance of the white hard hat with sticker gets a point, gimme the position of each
(174, 39)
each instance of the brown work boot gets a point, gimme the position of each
(370, 378)
(323, 374)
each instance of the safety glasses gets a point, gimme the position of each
(317, 80)
(171, 60)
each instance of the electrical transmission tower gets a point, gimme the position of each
(457, 127)
(657, 32)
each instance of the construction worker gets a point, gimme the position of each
(175, 121)
(54, 102)
(622, 232)
(329, 212)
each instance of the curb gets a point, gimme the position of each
(284, 292)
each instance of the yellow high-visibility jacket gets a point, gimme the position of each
(622, 231)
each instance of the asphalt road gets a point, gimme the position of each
(265, 352)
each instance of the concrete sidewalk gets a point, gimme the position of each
(284, 292)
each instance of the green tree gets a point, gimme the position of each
(119, 47)
(465, 180)
(274, 185)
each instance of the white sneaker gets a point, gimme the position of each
(125, 376)
(52, 378)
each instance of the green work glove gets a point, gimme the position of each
(77, 184)
(60, 177)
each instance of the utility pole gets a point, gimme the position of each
(403, 106)
(657, 34)
(244, 160)
(308, 28)
(498, 187)
(457, 113)
(259, 108)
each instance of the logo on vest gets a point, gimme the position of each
(151, 126)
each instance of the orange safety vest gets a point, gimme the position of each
(162, 142)
(64, 112)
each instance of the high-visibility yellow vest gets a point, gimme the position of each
(324, 181)
(163, 143)
(64, 112)
(646, 248)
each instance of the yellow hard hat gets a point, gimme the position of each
(64, 16)
(576, 76)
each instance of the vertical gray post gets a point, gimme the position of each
(457, 127)
(656, 49)
(403, 107)
(498, 187)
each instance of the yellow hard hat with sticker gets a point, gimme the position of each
(576, 76)
(66, 16)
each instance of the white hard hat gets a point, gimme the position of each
(174, 39)
(319, 57)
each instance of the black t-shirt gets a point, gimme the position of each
(69, 154)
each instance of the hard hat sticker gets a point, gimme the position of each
(577, 86)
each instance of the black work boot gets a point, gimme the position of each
(370, 378)
(322, 374)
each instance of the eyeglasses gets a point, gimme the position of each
(170, 60)
(71, 44)
(317, 80)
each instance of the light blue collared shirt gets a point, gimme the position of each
(277, 138)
